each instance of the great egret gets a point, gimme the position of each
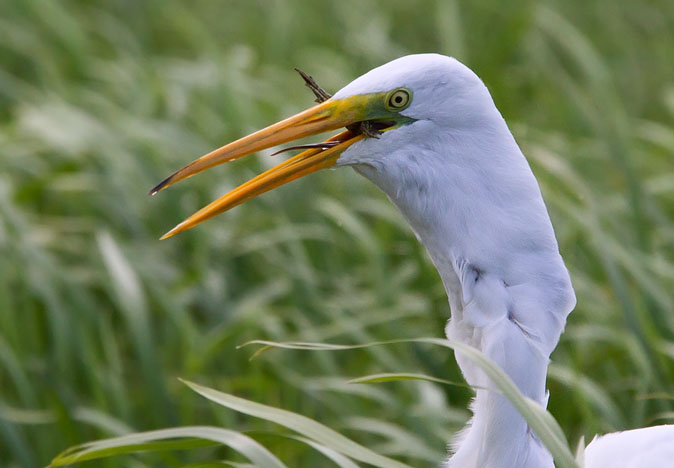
(425, 130)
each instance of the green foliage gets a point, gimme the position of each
(540, 421)
(101, 100)
(327, 441)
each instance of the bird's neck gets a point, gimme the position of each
(497, 436)
(488, 233)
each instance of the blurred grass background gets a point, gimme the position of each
(101, 100)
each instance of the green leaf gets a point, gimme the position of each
(580, 452)
(195, 437)
(301, 424)
(539, 419)
(219, 464)
(398, 376)
(339, 459)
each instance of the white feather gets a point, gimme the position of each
(459, 178)
(650, 447)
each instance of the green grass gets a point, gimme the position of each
(98, 319)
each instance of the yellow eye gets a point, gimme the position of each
(398, 99)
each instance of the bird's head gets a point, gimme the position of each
(384, 111)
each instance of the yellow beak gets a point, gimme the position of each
(330, 115)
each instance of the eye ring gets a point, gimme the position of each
(398, 99)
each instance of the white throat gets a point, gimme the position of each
(475, 205)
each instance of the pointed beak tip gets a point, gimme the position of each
(171, 233)
(162, 185)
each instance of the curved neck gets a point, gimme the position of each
(489, 236)
(491, 316)
(497, 436)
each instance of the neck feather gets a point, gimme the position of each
(489, 235)
(487, 318)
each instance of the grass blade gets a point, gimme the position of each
(399, 376)
(193, 437)
(539, 419)
(298, 423)
(339, 459)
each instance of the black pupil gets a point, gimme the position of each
(398, 99)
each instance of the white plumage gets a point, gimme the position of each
(448, 161)
(459, 178)
(650, 447)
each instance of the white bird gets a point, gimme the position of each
(425, 130)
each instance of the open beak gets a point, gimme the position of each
(329, 115)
